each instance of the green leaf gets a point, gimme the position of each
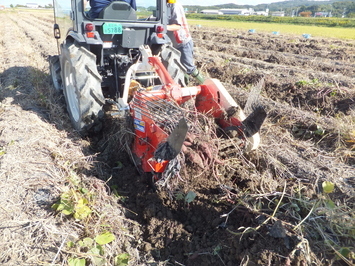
(65, 196)
(216, 250)
(104, 238)
(99, 261)
(122, 259)
(345, 252)
(74, 179)
(82, 201)
(330, 204)
(295, 206)
(190, 197)
(67, 212)
(86, 242)
(179, 196)
(81, 209)
(66, 207)
(84, 190)
(60, 206)
(81, 212)
(70, 244)
(328, 187)
(100, 248)
(319, 131)
(76, 262)
(96, 251)
(119, 165)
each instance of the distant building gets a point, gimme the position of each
(32, 5)
(322, 14)
(262, 13)
(278, 14)
(2, 7)
(211, 11)
(243, 12)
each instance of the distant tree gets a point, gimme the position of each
(302, 8)
(12, 6)
(316, 8)
(340, 9)
(351, 8)
(335, 7)
(141, 8)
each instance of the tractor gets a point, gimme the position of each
(124, 57)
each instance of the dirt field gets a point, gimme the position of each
(264, 208)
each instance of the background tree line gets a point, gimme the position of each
(293, 7)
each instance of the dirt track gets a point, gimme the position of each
(308, 138)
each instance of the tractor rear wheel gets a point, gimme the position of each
(54, 66)
(82, 88)
(171, 60)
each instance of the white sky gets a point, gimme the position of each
(184, 2)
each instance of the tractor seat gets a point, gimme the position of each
(118, 10)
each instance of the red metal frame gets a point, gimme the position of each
(149, 135)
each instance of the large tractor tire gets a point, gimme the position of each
(54, 67)
(171, 60)
(82, 88)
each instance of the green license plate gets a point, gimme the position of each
(112, 28)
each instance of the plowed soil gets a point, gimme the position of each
(266, 207)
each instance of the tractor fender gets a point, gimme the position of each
(154, 39)
(80, 38)
(75, 36)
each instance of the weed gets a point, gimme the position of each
(115, 192)
(327, 222)
(79, 201)
(185, 198)
(14, 86)
(42, 98)
(3, 148)
(303, 83)
(244, 71)
(2, 151)
(179, 196)
(93, 250)
(227, 61)
(190, 196)
(333, 47)
(74, 202)
(333, 93)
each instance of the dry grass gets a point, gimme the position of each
(39, 163)
(323, 223)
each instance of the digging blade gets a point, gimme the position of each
(253, 122)
(172, 147)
